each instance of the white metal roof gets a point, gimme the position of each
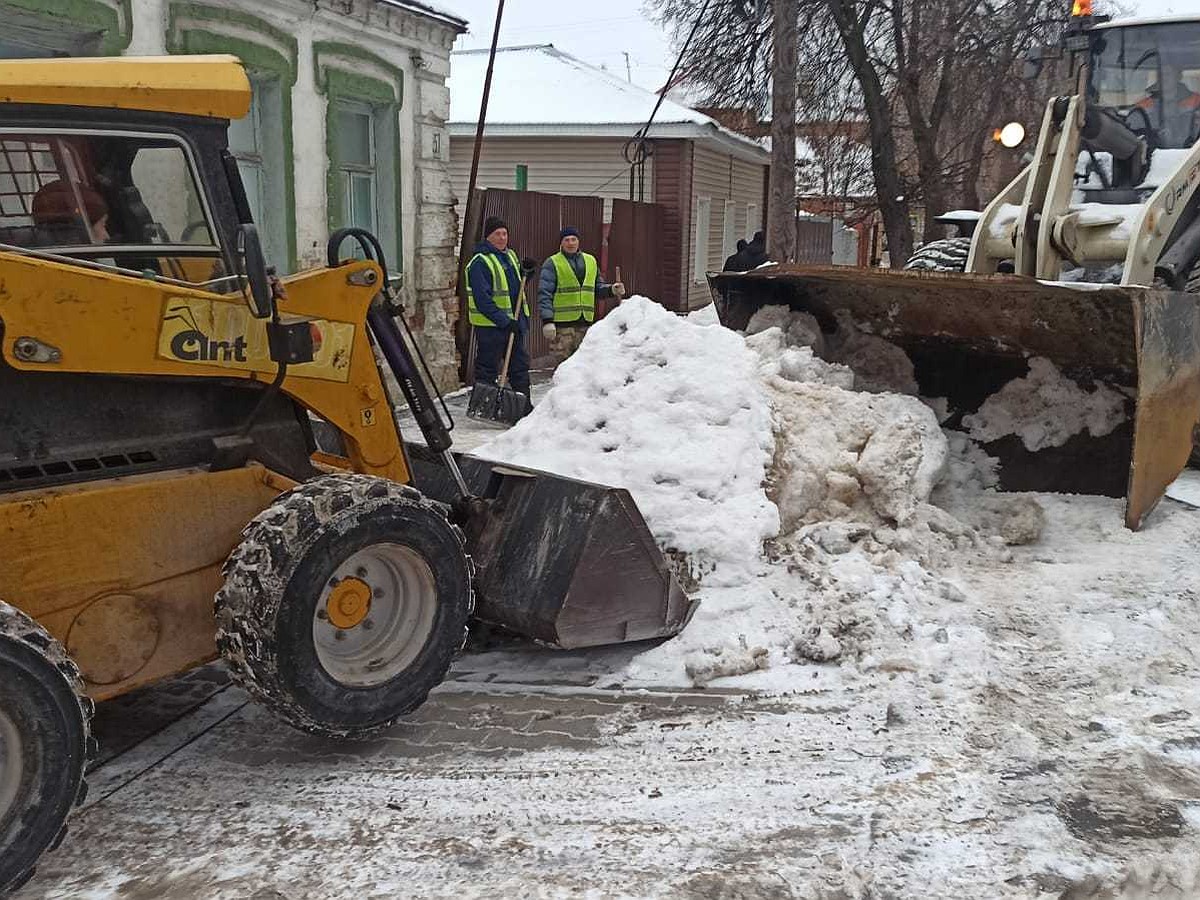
(540, 90)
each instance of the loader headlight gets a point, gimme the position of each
(1011, 134)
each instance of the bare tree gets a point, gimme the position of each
(931, 79)
(781, 208)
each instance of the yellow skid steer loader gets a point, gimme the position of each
(158, 390)
(1090, 258)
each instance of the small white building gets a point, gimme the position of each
(558, 124)
(347, 125)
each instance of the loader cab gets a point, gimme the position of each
(132, 199)
(95, 168)
(121, 166)
(1148, 72)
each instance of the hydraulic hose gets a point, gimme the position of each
(397, 354)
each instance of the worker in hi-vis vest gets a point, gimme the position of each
(569, 285)
(497, 307)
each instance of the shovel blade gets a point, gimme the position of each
(493, 403)
(568, 563)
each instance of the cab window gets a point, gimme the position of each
(125, 200)
(1151, 75)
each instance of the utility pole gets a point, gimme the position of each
(628, 71)
(781, 225)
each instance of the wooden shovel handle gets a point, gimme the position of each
(503, 379)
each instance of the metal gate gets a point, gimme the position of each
(635, 247)
(814, 240)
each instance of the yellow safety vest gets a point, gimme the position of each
(573, 299)
(500, 294)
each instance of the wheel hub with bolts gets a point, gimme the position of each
(348, 603)
(375, 615)
(345, 603)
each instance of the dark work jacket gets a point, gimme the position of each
(480, 278)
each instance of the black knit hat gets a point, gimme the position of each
(491, 223)
(569, 231)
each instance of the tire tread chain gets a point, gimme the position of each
(271, 546)
(946, 255)
(19, 628)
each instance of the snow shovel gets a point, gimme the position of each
(498, 402)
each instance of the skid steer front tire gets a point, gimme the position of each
(948, 255)
(344, 604)
(44, 744)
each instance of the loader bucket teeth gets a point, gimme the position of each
(968, 335)
(565, 562)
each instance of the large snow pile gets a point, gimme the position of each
(671, 410)
(757, 460)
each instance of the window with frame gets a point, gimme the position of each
(363, 140)
(131, 200)
(256, 143)
(356, 159)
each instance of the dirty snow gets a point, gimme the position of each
(1165, 163)
(1005, 221)
(1186, 488)
(914, 686)
(671, 409)
(1046, 409)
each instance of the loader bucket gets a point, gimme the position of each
(565, 562)
(968, 335)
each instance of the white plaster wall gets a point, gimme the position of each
(149, 28)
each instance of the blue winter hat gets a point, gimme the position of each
(569, 231)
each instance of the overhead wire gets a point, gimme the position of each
(636, 148)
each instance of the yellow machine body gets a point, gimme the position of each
(213, 86)
(123, 570)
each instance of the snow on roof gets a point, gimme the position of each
(538, 89)
(433, 10)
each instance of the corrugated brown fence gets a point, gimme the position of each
(814, 241)
(635, 247)
(534, 221)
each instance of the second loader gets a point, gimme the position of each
(1089, 258)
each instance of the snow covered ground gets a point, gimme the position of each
(899, 683)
